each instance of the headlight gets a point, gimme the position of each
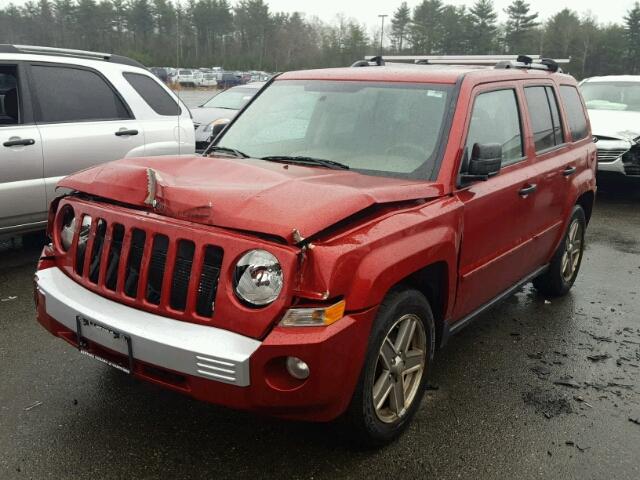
(217, 125)
(258, 279)
(67, 227)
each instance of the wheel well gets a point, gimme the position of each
(432, 282)
(586, 201)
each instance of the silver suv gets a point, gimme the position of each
(65, 110)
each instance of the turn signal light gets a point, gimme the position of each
(314, 316)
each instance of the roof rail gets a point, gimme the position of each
(67, 52)
(377, 61)
(498, 61)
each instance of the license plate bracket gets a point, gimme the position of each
(82, 322)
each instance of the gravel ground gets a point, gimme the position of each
(532, 389)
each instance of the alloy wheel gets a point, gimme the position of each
(399, 369)
(572, 252)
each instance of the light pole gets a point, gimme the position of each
(382, 17)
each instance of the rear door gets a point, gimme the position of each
(498, 212)
(22, 194)
(556, 162)
(83, 120)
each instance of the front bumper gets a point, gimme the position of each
(209, 363)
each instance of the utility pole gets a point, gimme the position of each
(382, 17)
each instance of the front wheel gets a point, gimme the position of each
(391, 384)
(565, 264)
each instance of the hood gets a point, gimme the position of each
(207, 115)
(245, 194)
(617, 124)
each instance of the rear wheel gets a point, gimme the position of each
(565, 264)
(392, 381)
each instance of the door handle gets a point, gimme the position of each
(569, 171)
(528, 189)
(18, 142)
(126, 133)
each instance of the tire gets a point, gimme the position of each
(404, 310)
(560, 276)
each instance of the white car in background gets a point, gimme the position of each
(209, 79)
(188, 78)
(613, 103)
(67, 110)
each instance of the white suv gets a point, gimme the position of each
(65, 110)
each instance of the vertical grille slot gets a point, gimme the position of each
(132, 274)
(181, 274)
(208, 284)
(83, 238)
(113, 260)
(156, 268)
(96, 251)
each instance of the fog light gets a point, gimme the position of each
(297, 368)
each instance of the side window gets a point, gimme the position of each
(575, 112)
(74, 95)
(9, 104)
(545, 119)
(496, 119)
(152, 93)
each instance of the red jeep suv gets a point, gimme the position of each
(330, 240)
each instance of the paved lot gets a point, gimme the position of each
(517, 396)
(196, 97)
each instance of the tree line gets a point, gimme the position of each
(248, 35)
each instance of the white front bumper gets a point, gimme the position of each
(188, 348)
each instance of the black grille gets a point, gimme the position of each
(156, 263)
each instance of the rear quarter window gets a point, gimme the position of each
(153, 94)
(575, 112)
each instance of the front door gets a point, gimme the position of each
(497, 212)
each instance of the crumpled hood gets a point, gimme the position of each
(245, 194)
(622, 125)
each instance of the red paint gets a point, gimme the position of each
(484, 236)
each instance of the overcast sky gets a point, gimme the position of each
(367, 11)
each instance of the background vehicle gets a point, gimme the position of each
(614, 109)
(188, 78)
(228, 79)
(161, 73)
(208, 80)
(64, 111)
(346, 223)
(222, 106)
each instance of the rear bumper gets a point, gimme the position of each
(209, 363)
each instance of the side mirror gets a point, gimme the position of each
(485, 161)
(218, 126)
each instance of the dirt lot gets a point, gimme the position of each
(533, 389)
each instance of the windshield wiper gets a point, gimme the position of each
(307, 160)
(232, 151)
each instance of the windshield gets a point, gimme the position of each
(184, 72)
(612, 95)
(233, 99)
(391, 129)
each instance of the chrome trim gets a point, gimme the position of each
(183, 347)
(615, 166)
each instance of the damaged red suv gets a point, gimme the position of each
(333, 237)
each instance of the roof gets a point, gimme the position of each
(448, 74)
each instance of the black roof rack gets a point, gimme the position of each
(534, 62)
(67, 52)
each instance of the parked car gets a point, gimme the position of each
(613, 103)
(228, 80)
(210, 117)
(341, 228)
(208, 80)
(161, 73)
(188, 78)
(67, 110)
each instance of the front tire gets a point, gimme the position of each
(393, 378)
(566, 261)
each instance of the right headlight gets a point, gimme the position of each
(258, 279)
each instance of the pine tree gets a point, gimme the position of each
(519, 27)
(632, 36)
(425, 27)
(400, 26)
(483, 19)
